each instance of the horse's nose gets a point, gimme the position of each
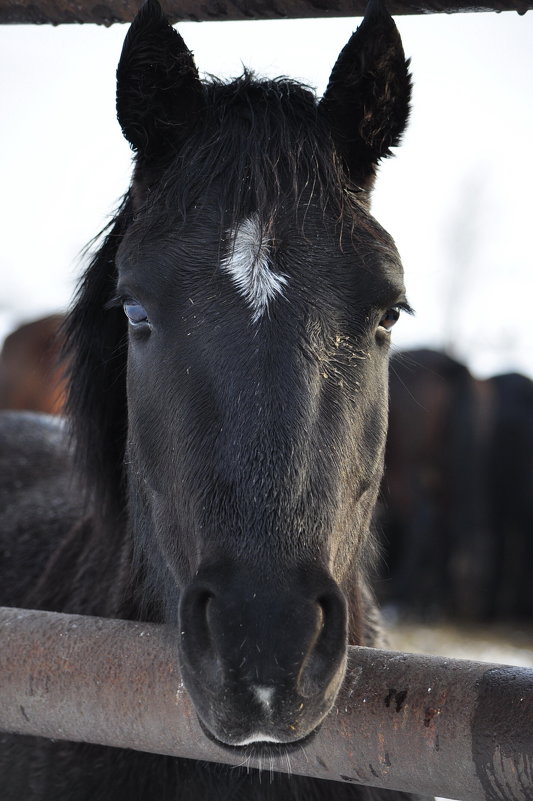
(262, 660)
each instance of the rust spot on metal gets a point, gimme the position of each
(397, 696)
(431, 713)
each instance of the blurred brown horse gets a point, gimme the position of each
(31, 376)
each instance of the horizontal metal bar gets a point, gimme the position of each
(422, 724)
(56, 12)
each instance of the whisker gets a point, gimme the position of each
(288, 761)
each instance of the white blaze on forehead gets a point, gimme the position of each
(248, 262)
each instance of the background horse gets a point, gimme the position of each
(228, 354)
(430, 495)
(456, 500)
(31, 374)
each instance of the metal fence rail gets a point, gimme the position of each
(68, 11)
(416, 723)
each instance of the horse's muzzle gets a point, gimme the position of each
(262, 660)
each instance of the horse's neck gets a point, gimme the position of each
(89, 572)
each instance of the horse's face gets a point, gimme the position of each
(257, 393)
(257, 420)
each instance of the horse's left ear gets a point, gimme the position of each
(158, 88)
(366, 104)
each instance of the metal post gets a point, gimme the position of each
(422, 724)
(56, 12)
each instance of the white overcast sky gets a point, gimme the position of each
(457, 197)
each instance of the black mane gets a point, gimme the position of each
(262, 143)
(95, 353)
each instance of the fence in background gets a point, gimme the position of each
(56, 12)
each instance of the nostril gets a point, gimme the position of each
(194, 616)
(327, 653)
(333, 609)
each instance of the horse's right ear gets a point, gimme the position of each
(158, 88)
(366, 103)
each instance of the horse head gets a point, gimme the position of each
(232, 392)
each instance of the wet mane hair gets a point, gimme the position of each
(95, 352)
(263, 145)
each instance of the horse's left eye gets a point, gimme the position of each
(135, 313)
(389, 318)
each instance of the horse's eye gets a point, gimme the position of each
(389, 318)
(135, 313)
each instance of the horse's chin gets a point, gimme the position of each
(260, 749)
(262, 720)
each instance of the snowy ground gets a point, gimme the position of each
(510, 645)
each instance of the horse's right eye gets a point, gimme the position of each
(135, 313)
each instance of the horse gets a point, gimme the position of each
(507, 400)
(431, 505)
(227, 410)
(31, 373)
(455, 500)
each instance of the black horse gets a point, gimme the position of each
(228, 353)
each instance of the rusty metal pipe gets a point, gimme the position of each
(56, 12)
(417, 723)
